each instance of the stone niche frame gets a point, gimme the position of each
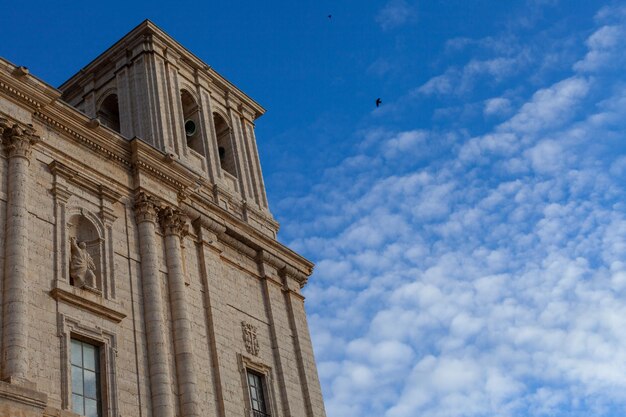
(102, 302)
(68, 328)
(246, 363)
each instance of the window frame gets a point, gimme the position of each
(71, 328)
(264, 372)
(97, 370)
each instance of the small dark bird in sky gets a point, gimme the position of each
(378, 102)
(330, 16)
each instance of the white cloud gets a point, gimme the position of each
(497, 106)
(394, 14)
(549, 107)
(605, 47)
(463, 80)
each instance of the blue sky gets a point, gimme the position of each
(470, 234)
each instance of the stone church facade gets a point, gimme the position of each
(141, 275)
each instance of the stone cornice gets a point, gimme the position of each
(148, 160)
(274, 253)
(210, 224)
(25, 88)
(114, 149)
(89, 302)
(22, 395)
(289, 271)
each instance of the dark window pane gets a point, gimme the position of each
(77, 380)
(77, 404)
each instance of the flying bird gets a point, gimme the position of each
(378, 102)
(330, 16)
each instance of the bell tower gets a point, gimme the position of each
(149, 86)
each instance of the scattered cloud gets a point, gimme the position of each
(497, 106)
(463, 80)
(549, 107)
(478, 271)
(394, 14)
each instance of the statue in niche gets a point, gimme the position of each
(82, 267)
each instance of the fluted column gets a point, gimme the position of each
(175, 227)
(18, 142)
(160, 378)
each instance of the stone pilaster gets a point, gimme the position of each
(309, 380)
(160, 378)
(174, 225)
(18, 142)
(208, 231)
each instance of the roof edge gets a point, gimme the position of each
(147, 27)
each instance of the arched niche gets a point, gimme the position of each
(191, 121)
(225, 145)
(109, 112)
(86, 229)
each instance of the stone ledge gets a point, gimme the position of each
(88, 301)
(23, 395)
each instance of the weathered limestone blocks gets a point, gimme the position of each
(18, 141)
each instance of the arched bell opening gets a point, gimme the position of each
(225, 146)
(191, 122)
(109, 113)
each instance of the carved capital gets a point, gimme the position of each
(4, 125)
(146, 208)
(173, 221)
(18, 140)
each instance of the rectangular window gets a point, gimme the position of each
(257, 394)
(86, 393)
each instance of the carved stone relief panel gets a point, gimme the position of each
(250, 338)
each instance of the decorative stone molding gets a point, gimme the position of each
(20, 95)
(19, 140)
(289, 271)
(98, 146)
(238, 245)
(250, 339)
(173, 221)
(146, 207)
(247, 113)
(23, 395)
(87, 301)
(210, 224)
(264, 256)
